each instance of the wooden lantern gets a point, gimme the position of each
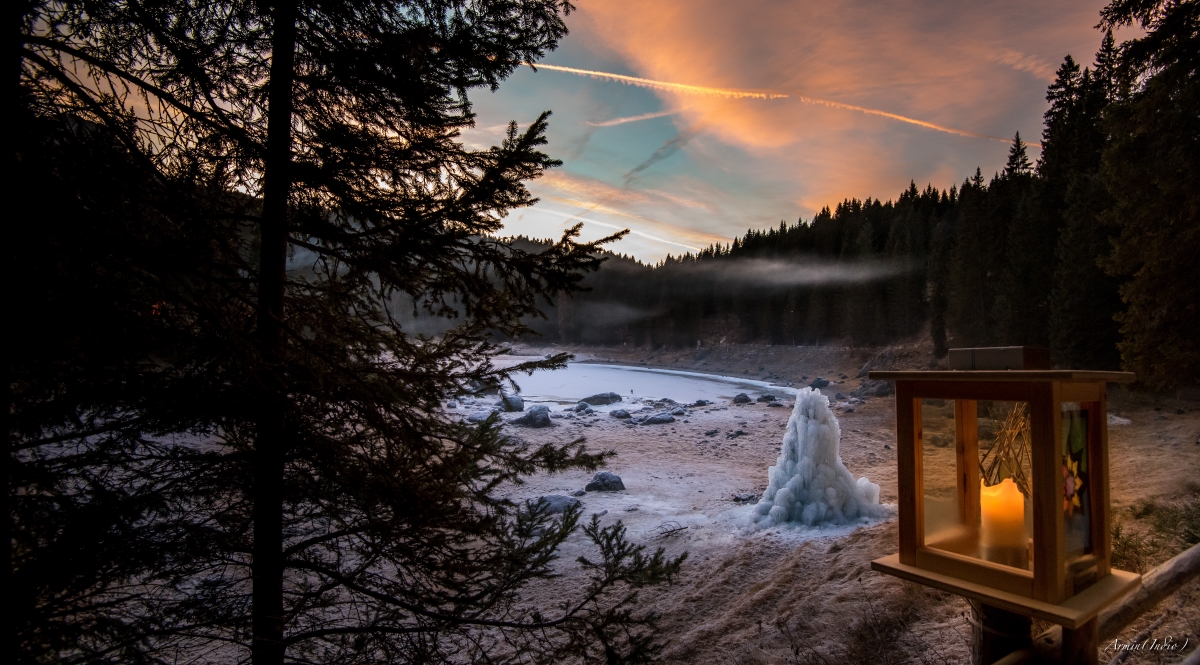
(1003, 482)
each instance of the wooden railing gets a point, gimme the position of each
(1156, 585)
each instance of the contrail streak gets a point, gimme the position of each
(741, 94)
(632, 118)
(911, 121)
(664, 85)
(597, 222)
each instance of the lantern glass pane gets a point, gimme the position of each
(976, 472)
(1077, 508)
(943, 517)
(1006, 483)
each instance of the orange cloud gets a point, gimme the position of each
(1025, 63)
(922, 63)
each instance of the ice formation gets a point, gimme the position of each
(809, 484)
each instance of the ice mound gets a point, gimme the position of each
(809, 484)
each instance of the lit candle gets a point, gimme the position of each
(1002, 524)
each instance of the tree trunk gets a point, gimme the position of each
(17, 11)
(267, 623)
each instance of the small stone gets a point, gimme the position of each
(678, 411)
(839, 396)
(886, 447)
(579, 493)
(619, 414)
(741, 398)
(819, 383)
(767, 398)
(631, 509)
(658, 419)
(712, 432)
(479, 416)
(451, 404)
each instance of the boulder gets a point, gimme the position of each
(620, 414)
(581, 407)
(479, 416)
(658, 419)
(766, 398)
(605, 481)
(701, 402)
(819, 383)
(741, 398)
(451, 404)
(555, 503)
(536, 416)
(678, 411)
(602, 398)
(511, 403)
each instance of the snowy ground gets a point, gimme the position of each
(788, 593)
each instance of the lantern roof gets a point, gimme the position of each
(1003, 375)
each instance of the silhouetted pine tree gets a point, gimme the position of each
(1083, 301)
(241, 432)
(1023, 287)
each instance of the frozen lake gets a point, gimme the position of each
(579, 380)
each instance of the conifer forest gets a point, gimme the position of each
(1091, 251)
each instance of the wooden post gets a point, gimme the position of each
(1081, 646)
(998, 633)
(912, 491)
(966, 445)
(1048, 541)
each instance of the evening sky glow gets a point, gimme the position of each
(689, 122)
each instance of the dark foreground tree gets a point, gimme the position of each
(225, 445)
(1149, 169)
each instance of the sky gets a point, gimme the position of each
(704, 118)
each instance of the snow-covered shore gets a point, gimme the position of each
(749, 596)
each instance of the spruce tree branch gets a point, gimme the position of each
(349, 583)
(85, 95)
(227, 128)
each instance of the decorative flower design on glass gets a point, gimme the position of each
(1071, 485)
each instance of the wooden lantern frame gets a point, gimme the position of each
(1069, 591)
